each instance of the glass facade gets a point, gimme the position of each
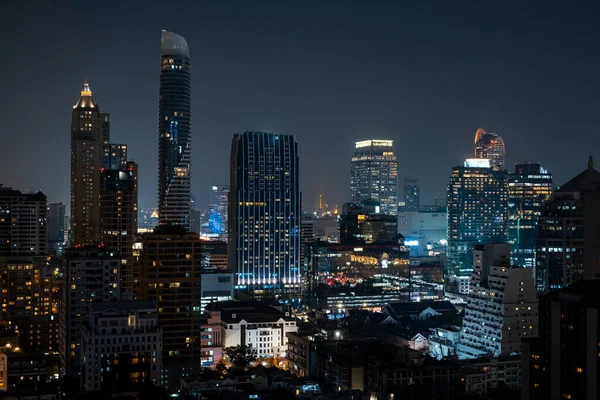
(491, 147)
(265, 213)
(528, 188)
(477, 213)
(374, 174)
(217, 217)
(174, 131)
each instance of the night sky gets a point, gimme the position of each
(426, 74)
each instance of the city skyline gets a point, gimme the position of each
(334, 114)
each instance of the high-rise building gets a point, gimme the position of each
(119, 217)
(563, 362)
(528, 188)
(477, 214)
(90, 131)
(568, 241)
(56, 226)
(374, 174)
(411, 194)
(174, 131)
(363, 223)
(170, 276)
(501, 306)
(23, 223)
(217, 217)
(90, 274)
(122, 345)
(265, 212)
(114, 156)
(490, 146)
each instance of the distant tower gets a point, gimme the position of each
(217, 214)
(374, 174)
(411, 194)
(490, 146)
(174, 131)
(90, 131)
(265, 213)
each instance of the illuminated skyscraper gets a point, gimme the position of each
(265, 212)
(23, 223)
(528, 188)
(490, 146)
(217, 217)
(477, 214)
(174, 131)
(90, 131)
(411, 194)
(374, 174)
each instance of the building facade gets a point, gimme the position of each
(265, 213)
(374, 174)
(217, 213)
(477, 214)
(56, 227)
(23, 223)
(174, 131)
(90, 132)
(121, 345)
(529, 187)
(119, 217)
(501, 306)
(568, 241)
(411, 194)
(490, 146)
(91, 274)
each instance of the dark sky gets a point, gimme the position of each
(424, 73)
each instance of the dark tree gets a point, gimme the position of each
(241, 355)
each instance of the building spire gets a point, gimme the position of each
(590, 163)
(86, 88)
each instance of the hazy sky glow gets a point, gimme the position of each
(426, 74)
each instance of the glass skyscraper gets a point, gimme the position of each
(528, 188)
(374, 174)
(477, 214)
(265, 213)
(490, 146)
(174, 131)
(217, 213)
(411, 194)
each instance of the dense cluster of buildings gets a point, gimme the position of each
(487, 294)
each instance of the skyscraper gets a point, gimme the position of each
(174, 131)
(374, 174)
(265, 212)
(568, 242)
(477, 214)
(490, 146)
(90, 130)
(528, 188)
(56, 226)
(23, 223)
(411, 194)
(217, 217)
(119, 216)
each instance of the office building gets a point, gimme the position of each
(170, 276)
(90, 132)
(528, 188)
(563, 362)
(568, 242)
(121, 345)
(216, 286)
(214, 256)
(477, 214)
(490, 146)
(56, 227)
(119, 217)
(217, 213)
(429, 224)
(254, 323)
(501, 306)
(265, 213)
(174, 131)
(90, 274)
(114, 156)
(374, 174)
(23, 223)
(363, 223)
(411, 194)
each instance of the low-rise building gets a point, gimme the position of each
(210, 339)
(443, 342)
(217, 286)
(420, 310)
(302, 354)
(121, 345)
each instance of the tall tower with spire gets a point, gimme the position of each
(174, 131)
(90, 131)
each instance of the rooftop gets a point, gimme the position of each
(418, 307)
(134, 305)
(587, 181)
(249, 311)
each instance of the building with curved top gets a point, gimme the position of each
(490, 146)
(174, 131)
